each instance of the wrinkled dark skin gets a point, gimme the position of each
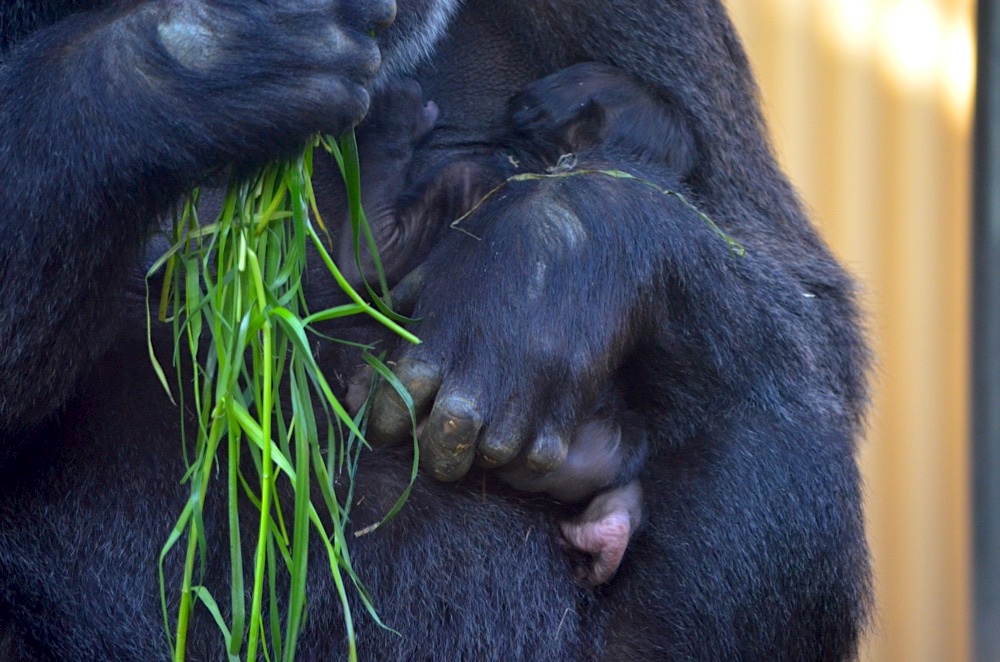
(748, 373)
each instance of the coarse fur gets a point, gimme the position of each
(753, 370)
(750, 372)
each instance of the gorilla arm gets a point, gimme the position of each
(108, 116)
(537, 278)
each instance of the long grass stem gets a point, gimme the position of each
(233, 293)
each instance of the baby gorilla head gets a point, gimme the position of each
(597, 107)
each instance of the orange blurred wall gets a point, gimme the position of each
(870, 108)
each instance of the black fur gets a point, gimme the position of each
(750, 371)
(581, 118)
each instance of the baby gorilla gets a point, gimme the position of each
(588, 113)
(404, 232)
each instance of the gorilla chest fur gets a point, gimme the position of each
(472, 85)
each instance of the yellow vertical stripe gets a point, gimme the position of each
(869, 104)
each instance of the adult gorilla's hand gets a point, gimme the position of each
(268, 73)
(108, 116)
(523, 317)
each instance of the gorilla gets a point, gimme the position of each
(748, 374)
(594, 113)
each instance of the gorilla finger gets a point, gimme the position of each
(594, 463)
(405, 294)
(547, 453)
(390, 418)
(502, 442)
(332, 103)
(448, 443)
(325, 104)
(358, 389)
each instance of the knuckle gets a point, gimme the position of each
(459, 409)
(389, 416)
(450, 436)
(455, 423)
(186, 35)
(547, 453)
(420, 378)
(498, 448)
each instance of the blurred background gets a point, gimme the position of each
(870, 107)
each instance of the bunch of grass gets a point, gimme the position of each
(233, 294)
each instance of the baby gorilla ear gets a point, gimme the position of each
(550, 135)
(587, 129)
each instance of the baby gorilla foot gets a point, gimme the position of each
(601, 534)
(605, 457)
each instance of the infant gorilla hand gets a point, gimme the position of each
(399, 120)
